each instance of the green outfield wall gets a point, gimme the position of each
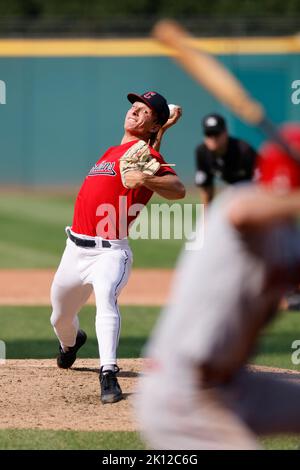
(60, 111)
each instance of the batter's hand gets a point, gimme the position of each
(134, 179)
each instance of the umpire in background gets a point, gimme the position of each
(221, 157)
(228, 160)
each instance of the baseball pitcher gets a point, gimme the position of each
(97, 254)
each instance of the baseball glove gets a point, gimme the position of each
(138, 157)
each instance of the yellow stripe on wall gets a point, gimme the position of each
(142, 47)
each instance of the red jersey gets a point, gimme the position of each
(104, 207)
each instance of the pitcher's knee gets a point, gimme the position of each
(55, 320)
(107, 300)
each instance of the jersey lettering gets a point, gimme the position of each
(103, 168)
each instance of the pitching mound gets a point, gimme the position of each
(38, 395)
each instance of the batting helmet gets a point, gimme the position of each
(275, 167)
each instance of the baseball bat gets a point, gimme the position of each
(217, 79)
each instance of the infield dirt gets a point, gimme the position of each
(35, 394)
(32, 287)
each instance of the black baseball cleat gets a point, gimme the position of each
(110, 389)
(67, 359)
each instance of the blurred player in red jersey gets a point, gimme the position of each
(197, 392)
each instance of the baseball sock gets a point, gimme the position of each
(108, 367)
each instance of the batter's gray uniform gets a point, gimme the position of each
(196, 392)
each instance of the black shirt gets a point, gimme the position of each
(236, 165)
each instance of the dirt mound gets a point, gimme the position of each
(35, 394)
(38, 395)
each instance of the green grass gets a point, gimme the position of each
(12, 439)
(32, 229)
(29, 439)
(275, 349)
(32, 232)
(284, 442)
(28, 334)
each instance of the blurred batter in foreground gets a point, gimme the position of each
(196, 392)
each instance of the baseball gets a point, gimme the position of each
(172, 108)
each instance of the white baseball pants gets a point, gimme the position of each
(106, 270)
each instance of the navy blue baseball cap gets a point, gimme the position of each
(155, 101)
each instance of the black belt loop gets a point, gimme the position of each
(86, 243)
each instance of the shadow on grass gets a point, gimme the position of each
(129, 347)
